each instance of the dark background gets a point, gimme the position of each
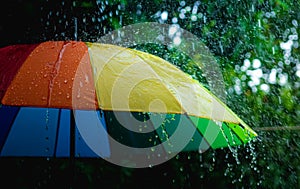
(20, 22)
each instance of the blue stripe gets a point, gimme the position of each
(91, 135)
(63, 135)
(7, 117)
(33, 133)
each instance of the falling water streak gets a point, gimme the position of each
(241, 176)
(47, 115)
(75, 29)
(221, 47)
(259, 23)
(233, 151)
(232, 137)
(101, 6)
(229, 168)
(54, 72)
(120, 21)
(253, 163)
(164, 132)
(228, 143)
(201, 165)
(212, 166)
(47, 119)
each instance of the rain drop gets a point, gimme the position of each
(86, 79)
(164, 15)
(256, 63)
(295, 23)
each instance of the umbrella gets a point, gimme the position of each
(71, 98)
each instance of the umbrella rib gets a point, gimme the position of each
(203, 138)
(72, 135)
(238, 137)
(184, 111)
(98, 97)
(57, 132)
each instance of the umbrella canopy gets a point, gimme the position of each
(48, 87)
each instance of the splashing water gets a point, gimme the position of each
(233, 150)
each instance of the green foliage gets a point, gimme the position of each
(234, 31)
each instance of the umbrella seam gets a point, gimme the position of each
(184, 111)
(238, 137)
(57, 133)
(203, 138)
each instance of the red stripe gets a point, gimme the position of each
(11, 59)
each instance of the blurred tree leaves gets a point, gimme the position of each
(234, 32)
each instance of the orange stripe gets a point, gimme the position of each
(56, 74)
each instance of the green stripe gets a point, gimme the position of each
(221, 134)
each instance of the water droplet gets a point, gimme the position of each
(65, 81)
(86, 79)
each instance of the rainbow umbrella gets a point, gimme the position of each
(70, 98)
